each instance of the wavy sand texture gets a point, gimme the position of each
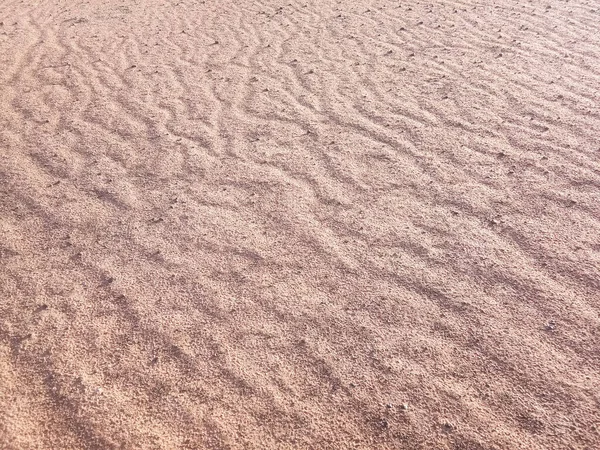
(299, 224)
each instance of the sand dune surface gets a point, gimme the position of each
(299, 224)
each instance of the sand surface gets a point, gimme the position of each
(252, 224)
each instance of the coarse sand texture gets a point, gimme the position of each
(300, 224)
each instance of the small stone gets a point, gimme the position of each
(448, 426)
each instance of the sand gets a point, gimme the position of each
(315, 224)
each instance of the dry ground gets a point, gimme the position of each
(300, 224)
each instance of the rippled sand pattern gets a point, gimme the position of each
(299, 224)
